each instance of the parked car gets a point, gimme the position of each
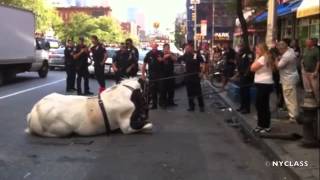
(108, 64)
(56, 58)
(142, 54)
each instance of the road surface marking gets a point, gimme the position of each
(31, 89)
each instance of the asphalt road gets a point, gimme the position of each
(184, 145)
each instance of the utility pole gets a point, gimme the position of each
(195, 2)
(195, 26)
(272, 22)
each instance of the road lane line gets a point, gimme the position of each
(31, 89)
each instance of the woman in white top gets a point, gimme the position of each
(262, 67)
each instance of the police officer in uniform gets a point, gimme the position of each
(121, 63)
(99, 56)
(167, 91)
(70, 66)
(194, 71)
(81, 55)
(133, 57)
(154, 60)
(244, 61)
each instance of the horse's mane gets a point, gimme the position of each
(132, 82)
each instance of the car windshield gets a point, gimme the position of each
(53, 43)
(111, 52)
(142, 54)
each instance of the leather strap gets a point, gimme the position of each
(104, 114)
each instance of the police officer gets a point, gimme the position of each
(244, 61)
(229, 57)
(154, 60)
(167, 91)
(99, 56)
(121, 63)
(133, 56)
(194, 71)
(70, 66)
(81, 55)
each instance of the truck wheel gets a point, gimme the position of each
(43, 72)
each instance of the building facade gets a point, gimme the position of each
(66, 12)
(204, 13)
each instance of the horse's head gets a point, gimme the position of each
(139, 98)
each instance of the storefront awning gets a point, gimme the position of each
(308, 8)
(282, 10)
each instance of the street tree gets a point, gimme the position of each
(80, 24)
(179, 32)
(254, 4)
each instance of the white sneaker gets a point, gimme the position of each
(265, 130)
(292, 120)
(257, 129)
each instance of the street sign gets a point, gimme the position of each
(195, 1)
(203, 26)
(193, 16)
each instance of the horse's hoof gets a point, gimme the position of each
(147, 128)
(27, 131)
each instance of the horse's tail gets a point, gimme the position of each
(33, 124)
(27, 130)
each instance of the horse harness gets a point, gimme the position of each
(104, 113)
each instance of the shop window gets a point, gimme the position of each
(303, 34)
(314, 28)
(286, 28)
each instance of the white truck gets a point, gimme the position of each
(20, 51)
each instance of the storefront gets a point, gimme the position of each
(308, 20)
(286, 21)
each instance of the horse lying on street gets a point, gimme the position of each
(122, 106)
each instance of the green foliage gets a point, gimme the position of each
(46, 16)
(106, 28)
(179, 34)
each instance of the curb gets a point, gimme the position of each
(271, 149)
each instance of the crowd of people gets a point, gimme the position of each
(160, 70)
(76, 64)
(280, 67)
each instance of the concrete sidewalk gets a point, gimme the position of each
(279, 150)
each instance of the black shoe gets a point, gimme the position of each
(239, 109)
(190, 109)
(70, 90)
(153, 107)
(172, 104)
(80, 93)
(88, 93)
(245, 111)
(201, 109)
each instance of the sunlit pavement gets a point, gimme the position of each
(184, 145)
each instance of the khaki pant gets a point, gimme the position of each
(291, 99)
(311, 84)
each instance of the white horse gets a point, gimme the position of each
(58, 115)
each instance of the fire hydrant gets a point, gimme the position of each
(310, 121)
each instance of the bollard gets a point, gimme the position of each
(310, 121)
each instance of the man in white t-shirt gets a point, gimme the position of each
(287, 66)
